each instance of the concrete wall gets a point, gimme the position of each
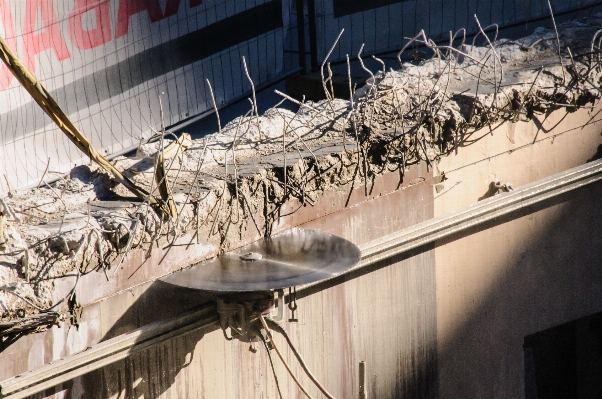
(515, 278)
(445, 321)
(386, 317)
(537, 269)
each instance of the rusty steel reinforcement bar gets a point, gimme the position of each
(107, 352)
(413, 237)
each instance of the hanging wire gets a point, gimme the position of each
(269, 334)
(278, 328)
(267, 349)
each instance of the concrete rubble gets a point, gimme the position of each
(238, 180)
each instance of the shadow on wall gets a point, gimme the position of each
(159, 302)
(150, 372)
(146, 374)
(553, 277)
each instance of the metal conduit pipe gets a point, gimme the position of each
(499, 205)
(420, 234)
(107, 352)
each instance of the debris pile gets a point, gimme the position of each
(239, 178)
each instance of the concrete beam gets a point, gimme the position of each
(374, 251)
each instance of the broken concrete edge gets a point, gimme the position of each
(418, 114)
(375, 251)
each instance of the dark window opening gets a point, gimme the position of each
(565, 361)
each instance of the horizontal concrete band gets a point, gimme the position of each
(486, 210)
(388, 246)
(107, 352)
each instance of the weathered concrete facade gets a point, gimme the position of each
(447, 320)
(339, 325)
(461, 314)
(526, 273)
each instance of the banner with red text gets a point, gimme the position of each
(106, 62)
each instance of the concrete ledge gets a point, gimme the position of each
(107, 352)
(372, 252)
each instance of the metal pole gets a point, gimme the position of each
(362, 394)
(313, 40)
(301, 35)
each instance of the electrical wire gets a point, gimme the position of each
(269, 334)
(277, 327)
(267, 349)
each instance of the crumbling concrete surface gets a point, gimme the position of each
(230, 187)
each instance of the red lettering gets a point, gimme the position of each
(101, 34)
(6, 76)
(194, 3)
(128, 8)
(49, 38)
(171, 8)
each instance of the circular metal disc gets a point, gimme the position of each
(292, 258)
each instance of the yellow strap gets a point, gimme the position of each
(52, 109)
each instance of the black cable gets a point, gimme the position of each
(267, 348)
